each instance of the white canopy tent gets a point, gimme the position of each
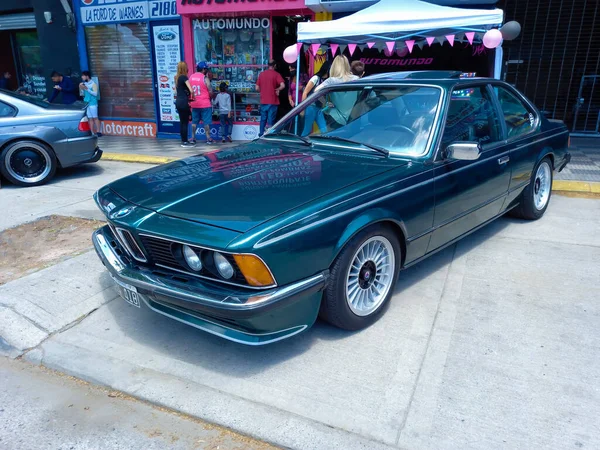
(399, 19)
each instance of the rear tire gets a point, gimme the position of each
(535, 198)
(28, 163)
(362, 279)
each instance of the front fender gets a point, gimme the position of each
(365, 220)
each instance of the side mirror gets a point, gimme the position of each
(464, 151)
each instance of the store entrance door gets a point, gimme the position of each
(587, 108)
(165, 38)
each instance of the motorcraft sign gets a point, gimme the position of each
(110, 11)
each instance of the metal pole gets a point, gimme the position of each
(297, 87)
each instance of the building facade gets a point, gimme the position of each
(37, 37)
(556, 59)
(132, 47)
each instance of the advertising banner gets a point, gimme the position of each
(111, 11)
(167, 54)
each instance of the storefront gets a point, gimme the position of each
(237, 39)
(133, 48)
(31, 33)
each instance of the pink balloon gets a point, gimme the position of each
(290, 54)
(492, 38)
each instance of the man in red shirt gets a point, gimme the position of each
(269, 84)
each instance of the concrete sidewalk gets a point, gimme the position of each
(489, 344)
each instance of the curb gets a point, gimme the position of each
(143, 159)
(581, 187)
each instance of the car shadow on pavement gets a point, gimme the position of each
(156, 333)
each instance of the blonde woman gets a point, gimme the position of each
(340, 104)
(183, 96)
(339, 73)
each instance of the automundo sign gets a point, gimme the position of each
(103, 11)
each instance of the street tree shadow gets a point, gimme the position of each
(193, 346)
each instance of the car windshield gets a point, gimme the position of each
(27, 98)
(398, 119)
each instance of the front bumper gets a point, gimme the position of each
(242, 315)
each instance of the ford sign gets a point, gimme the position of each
(164, 78)
(166, 36)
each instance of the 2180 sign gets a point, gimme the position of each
(224, 2)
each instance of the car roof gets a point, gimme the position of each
(438, 77)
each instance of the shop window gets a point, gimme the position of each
(32, 80)
(237, 50)
(519, 119)
(119, 55)
(471, 118)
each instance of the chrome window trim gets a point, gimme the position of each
(528, 105)
(203, 247)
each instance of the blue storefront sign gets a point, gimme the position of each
(112, 11)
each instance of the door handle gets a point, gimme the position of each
(503, 160)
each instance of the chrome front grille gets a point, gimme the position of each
(127, 240)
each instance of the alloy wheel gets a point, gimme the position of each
(370, 275)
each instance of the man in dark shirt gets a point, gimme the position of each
(5, 81)
(269, 84)
(63, 85)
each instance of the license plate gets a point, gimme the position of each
(128, 292)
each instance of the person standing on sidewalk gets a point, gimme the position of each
(90, 96)
(223, 102)
(269, 84)
(63, 85)
(182, 101)
(202, 105)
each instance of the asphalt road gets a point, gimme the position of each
(492, 343)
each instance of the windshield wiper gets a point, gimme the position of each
(306, 140)
(377, 148)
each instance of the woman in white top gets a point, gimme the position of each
(339, 73)
(316, 79)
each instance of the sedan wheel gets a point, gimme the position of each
(536, 196)
(370, 276)
(28, 163)
(362, 279)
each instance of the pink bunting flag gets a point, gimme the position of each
(470, 36)
(334, 49)
(351, 48)
(299, 47)
(390, 46)
(410, 44)
(370, 44)
(450, 38)
(315, 48)
(430, 40)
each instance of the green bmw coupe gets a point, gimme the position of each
(319, 215)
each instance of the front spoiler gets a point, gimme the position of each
(240, 315)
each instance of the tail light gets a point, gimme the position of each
(84, 124)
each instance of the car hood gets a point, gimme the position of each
(241, 187)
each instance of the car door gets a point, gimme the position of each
(469, 193)
(522, 125)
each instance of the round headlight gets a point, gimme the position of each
(192, 259)
(223, 266)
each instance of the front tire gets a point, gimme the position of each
(362, 279)
(28, 163)
(536, 196)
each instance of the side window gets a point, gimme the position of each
(519, 119)
(6, 110)
(471, 118)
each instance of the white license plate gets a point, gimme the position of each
(128, 292)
